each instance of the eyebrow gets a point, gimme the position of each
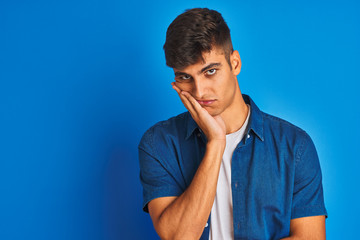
(209, 66)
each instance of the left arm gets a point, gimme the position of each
(308, 209)
(310, 228)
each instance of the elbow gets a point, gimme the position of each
(166, 233)
(168, 230)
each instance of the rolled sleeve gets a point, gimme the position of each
(308, 199)
(157, 181)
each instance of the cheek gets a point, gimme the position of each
(184, 86)
(221, 82)
(227, 87)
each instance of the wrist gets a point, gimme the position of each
(215, 148)
(216, 143)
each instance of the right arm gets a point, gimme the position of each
(185, 217)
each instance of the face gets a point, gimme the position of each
(212, 82)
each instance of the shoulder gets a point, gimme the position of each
(168, 126)
(277, 122)
(163, 130)
(286, 134)
(280, 126)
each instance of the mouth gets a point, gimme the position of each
(205, 102)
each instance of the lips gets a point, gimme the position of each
(205, 102)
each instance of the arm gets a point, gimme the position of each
(308, 212)
(312, 228)
(185, 216)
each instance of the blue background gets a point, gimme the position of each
(80, 82)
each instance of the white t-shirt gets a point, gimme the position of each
(221, 226)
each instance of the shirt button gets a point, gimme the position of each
(236, 185)
(206, 225)
(248, 136)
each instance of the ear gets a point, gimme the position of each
(235, 62)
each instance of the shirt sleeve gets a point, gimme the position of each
(308, 199)
(155, 175)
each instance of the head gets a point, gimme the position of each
(198, 47)
(193, 33)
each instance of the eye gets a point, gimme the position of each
(211, 71)
(185, 77)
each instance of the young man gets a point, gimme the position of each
(225, 169)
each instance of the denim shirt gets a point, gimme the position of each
(275, 171)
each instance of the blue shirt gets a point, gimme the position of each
(275, 171)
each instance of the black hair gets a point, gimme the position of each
(194, 32)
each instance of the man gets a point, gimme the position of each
(225, 169)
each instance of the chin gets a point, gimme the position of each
(213, 112)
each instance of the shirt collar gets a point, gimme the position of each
(256, 121)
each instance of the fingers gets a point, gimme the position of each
(185, 100)
(192, 100)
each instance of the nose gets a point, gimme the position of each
(199, 88)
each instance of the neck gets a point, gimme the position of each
(235, 115)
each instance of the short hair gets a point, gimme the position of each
(193, 33)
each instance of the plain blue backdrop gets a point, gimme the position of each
(80, 82)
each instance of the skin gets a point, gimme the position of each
(184, 217)
(219, 83)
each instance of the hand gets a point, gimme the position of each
(213, 126)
